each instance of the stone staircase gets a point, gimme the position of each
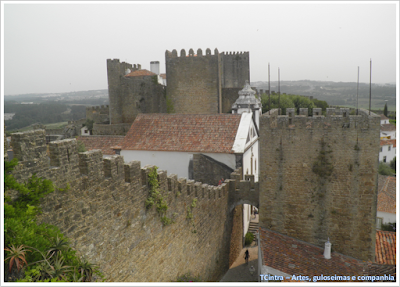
(253, 227)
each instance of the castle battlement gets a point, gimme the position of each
(174, 53)
(335, 118)
(98, 108)
(64, 164)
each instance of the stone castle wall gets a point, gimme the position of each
(104, 214)
(130, 96)
(98, 114)
(235, 69)
(194, 85)
(318, 178)
(208, 170)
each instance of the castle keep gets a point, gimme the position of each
(204, 84)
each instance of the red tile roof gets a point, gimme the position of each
(139, 73)
(385, 247)
(183, 132)
(386, 194)
(101, 142)
(388, 127)
(293, 256)
(163, 76)
(388, 142)
(383, 117)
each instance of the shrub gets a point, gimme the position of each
(249, 238)
(384, 169)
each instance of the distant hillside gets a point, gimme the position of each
(338, 93)
(89, 98)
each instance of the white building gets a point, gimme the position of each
(388, 130)
(169, 141)
(386, 202)
(388, 151)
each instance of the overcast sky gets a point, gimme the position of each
(52, 48)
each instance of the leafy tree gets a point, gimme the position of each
(384, 169)
(385, 110)
(393, 164)
(284, 102)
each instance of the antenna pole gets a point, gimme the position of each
(279, 91)
(269, 91)
(358, 79)
(370, 73)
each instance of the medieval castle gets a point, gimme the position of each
(317, 179)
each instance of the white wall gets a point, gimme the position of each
(390, 154)
(391, 135)
(251, 152)
(173, 162)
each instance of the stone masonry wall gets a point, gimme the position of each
(104, 214)
(237, 234)
(318, 178)
(113, 129)
(235, 69)
(208, 170)
(229, 97)
(141, 95)
(98, 114)
(194, 84)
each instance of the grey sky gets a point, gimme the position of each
(63, 47)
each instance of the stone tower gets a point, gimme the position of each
(204, 84)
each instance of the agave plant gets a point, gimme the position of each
(17, 256)
(57, 269)
(58, 246)
(86, 269)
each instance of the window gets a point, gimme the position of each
(384, 159)
(388, 148)
(379, 222)
(381, 149)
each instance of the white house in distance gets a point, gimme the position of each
(386, 202)
(388, 150)
(388, 130)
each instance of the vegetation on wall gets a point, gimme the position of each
(156, 198)
(36, 252)
(248, 238)
(322, 166)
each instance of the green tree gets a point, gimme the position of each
(393, 164)
(385, 110)
(284, 102)
(384, 169)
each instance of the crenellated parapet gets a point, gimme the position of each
(64, 164)
(190, 53)
(335, 118)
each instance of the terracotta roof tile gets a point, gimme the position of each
(183, 132)
(163, 76)
(101, 142)
(388, 142)
(388, 127)
(386, 194)
(139, 73)
(385, 248)
(293, 256)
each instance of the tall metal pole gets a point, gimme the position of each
(269, 91)
(370, 73)
(358, 79)
(279, 91)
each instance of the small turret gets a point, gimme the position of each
(248, 102)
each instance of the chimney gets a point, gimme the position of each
(327, 252)
(155, 67)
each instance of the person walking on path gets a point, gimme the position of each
(247, 256)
